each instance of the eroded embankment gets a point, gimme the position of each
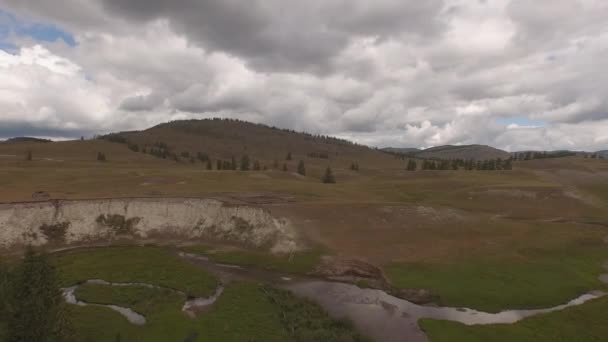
(67, 222)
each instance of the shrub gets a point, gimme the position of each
(55, 232)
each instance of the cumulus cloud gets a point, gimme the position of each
(388, 72)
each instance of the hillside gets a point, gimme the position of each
(25, 140)
(477, 152)
(224, 139)
(603, 153)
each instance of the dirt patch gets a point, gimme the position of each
(352, 271)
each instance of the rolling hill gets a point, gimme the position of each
(224, 139)
(476, 152)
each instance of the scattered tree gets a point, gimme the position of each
(301, 168)
(245, 163)
(232, 165)
(354, 166)
(28, 155)
(101, 157)
(412, 165)
(328, 177)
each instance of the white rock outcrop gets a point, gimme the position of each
(76, 221)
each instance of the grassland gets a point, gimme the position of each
(586, 323)
(531, 237)
(299, 262)
(133, 264)
(537, 279)
(244, 312)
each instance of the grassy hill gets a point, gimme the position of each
(224, 139)
(533, 236)
(477, 152)
(446, 152)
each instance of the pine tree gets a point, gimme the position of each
(411, 165)
(285, 167)
(275, 165)
(454, 164)
(288, 157)
(256, 166)
(328, 177)
(219, 165)
(28, 155)
(232, 165)
(245, 163)
(101, 157)
(301, 168)
(228, 165)
(39, 312)
(209, 164)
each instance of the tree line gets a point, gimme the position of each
(461, 164)
(529, 155)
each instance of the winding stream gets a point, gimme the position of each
(373, 312)
(190, 307)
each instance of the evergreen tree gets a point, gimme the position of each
(411, 165)
(275, 165)
(38, 310)
(256, 166)
(492, 165)
(454, 165)
(228, 165)
(209, 164)
(101, 157)
(219, 165)
(432, 165)
(328, 177)
(288, 157)
(233, 165)
(485, 165)
(285, 167)
(508, 165)
(245, 163)
(301, 168)
(28, 155)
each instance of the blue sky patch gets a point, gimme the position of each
(43, 32)
(520, 121)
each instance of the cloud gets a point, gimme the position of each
(388, 72)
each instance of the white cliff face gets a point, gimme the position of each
(90, 220)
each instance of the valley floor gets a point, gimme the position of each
(533, 237)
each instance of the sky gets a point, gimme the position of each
(514, 74)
